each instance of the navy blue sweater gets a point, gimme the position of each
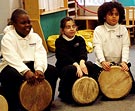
(68, 52)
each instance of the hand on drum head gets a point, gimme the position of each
(83, 67)
(79, 72)
(124, 66)
(30, 77)
(34, 78)
(40, 77)
(106, 65)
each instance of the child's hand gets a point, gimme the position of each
(79, 71)
(30, 77)
(39, 75)
(124, 66)
(106, 65)
(83, 67)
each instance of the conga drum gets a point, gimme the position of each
(85, 90)
(35, 97)
(115, 83)
(3, 104)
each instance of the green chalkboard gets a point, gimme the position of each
(50, 23)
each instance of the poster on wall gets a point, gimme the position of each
(127, 2)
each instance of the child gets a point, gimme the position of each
(111, 39)
(71, 55)
(10, 26)
(24, 58)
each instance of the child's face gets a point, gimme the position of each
(112, 18)
(23, 25)
(70, 29)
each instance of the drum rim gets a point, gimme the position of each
(126, 72)
(90, 78)
(5, 102)
(21, 88)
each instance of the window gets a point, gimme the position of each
(92, 2)
(91, 5)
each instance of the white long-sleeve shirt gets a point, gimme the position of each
(111, 43)
(17, 51)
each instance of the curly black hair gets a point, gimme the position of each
(107, 7)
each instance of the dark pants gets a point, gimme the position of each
(11, 81)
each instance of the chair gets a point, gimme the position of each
(129, 17)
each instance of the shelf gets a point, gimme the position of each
(71, 9)
(86, 18)
(53, 11)
(71, 2)
(86, 22)
(72, 16)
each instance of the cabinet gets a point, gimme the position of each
(32, 7)
(86, 22)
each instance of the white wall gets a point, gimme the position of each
(90, 8)
(6, 8)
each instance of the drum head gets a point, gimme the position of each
(35, 97)
(85, 90)
(3, 104)
(115, 83)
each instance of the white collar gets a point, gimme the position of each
(111, 28)
(21, 38)
(66, 38)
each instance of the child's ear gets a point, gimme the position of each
(61, 31)
(76, 28)
(104, 18)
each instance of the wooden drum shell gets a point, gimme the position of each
(85, 90)
(115, 83)
(35, 97)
